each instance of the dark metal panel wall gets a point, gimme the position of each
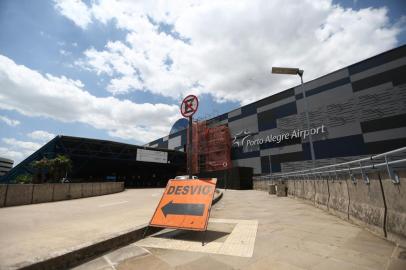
(363, 108)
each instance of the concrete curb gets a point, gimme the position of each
(218, 197)
(79, 255)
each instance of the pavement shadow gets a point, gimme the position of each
(193, 236)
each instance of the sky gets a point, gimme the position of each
(118, 70)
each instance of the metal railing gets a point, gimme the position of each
(389, 161)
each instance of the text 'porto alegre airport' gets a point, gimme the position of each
(353, 112)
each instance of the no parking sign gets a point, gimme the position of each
(189, 106)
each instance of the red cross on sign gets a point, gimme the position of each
(189, 105)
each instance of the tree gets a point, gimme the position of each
(61, 166)
(57, 168)
(24, 179)
(41, 166)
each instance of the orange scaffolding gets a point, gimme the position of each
(211, 149)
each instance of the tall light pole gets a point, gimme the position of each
(296, 71)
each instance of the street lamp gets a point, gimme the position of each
(296, 71)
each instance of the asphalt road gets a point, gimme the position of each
(33, 232)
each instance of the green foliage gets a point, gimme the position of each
(24, 179)
(40, 164)
(63, 162)
(57, 168)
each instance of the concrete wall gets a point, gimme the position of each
(96, 189)
(299, 189)
(75, 191)
(61, 192)
(339, 199)
(395, 198)
(291, 188)
(43, 193)
(19, 194)
(380, 206)
(3, 189)
(261, 184)
(367, 204)
(321, 196)
(309, 190)
(87, 190)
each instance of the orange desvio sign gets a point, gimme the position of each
(185, 204)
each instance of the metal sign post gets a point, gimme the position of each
(187, 109)
(225, 175)
(189, 154)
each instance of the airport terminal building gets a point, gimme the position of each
(105, 161)
(5, 165)
(354, 112)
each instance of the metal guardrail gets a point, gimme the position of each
(388, 161)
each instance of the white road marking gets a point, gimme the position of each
(144, 249)
(111, 204)
(111, 264)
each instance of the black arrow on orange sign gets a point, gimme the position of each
(191, 209)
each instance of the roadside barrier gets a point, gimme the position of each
(21, 194)
(370, 191)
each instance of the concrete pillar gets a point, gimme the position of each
(281, 189)
(339, 200)
(367, 205)
(308, 190)
(395, 195)
(272, 189)
(321, 193)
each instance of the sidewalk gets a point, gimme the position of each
(254, 230)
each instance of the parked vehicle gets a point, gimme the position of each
(185, 177)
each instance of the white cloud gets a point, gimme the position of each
(33, 94)
(75, 10)
(16, 156)
(18, 150)
(64, 52)
(41, 135)
(8, 121)
(29, 146)
(227, 48)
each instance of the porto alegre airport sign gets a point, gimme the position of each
(244, 138)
